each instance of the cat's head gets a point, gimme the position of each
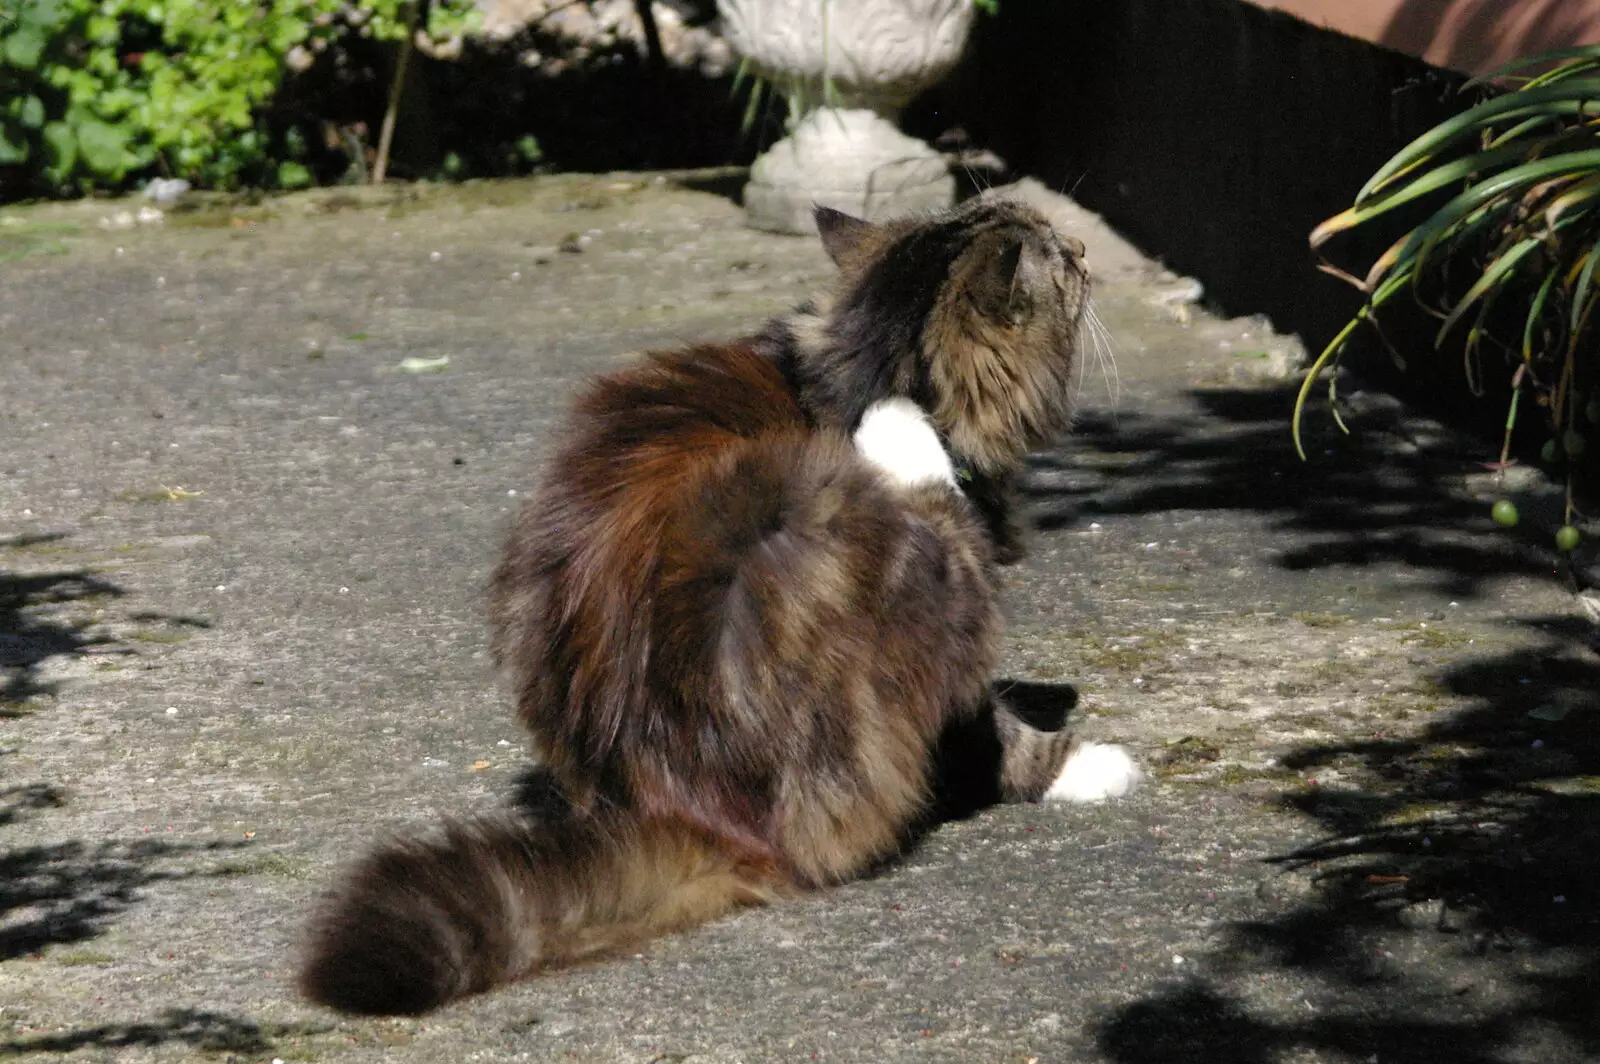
(974, 313)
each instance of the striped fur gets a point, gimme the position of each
(739, 647)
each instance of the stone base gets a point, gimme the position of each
(852, 160)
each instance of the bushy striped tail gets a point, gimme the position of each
(422, 922)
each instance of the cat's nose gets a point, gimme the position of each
(1073, 246)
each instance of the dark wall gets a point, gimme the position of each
(1212, 133)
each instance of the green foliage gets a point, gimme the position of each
(95, 92)
(1510, 251)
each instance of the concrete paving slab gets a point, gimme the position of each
(242, 555)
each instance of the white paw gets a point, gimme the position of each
(1095, 772)
(896, 436)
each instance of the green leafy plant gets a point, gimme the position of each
(1511, 248)
(93, 92)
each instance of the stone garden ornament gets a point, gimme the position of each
(865, 59)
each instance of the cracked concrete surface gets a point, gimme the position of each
(242, 555)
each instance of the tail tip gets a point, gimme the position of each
(370, 959)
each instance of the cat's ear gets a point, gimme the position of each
(1019, 269)
(844, 236)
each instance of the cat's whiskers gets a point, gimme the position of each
(1096, 337)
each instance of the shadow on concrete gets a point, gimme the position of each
(17, 802)
(199, 1029)
(28, 638)
(1479, 841)
(70, 891)
(1385, 494)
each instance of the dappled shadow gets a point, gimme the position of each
(1470, 852)
(70, 891)
(29, 635)
(18, 801)
(200, 1029)
(1388, 493)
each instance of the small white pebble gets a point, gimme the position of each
(1094, 526)
(1537, 744)
(161, 280)
(149, 779)
(516, 275)
(513, 491)
(1453, 604)
(503, 742)
(434, 256)
(222, 587)
(1176, 960)
(119, 251)
(27, 513)
(344, 591)
(172, 711)
(1151, 546)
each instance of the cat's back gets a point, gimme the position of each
(679, 450)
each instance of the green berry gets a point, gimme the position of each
(1572, 442)
(1505, 513)
(1551, 450)
(1566, 538)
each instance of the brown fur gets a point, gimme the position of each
(736, 644)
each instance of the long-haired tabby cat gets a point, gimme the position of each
(755, 589)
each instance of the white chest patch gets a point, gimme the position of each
(896, 436)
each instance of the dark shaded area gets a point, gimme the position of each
(69, 891)
(1385, 494)
(27, 638)
(200, 1029)
(1192, 1024)
(967, 759)
(18, 801)
(1480, 841)
(728, 184)
(1470, 851)
(1217, 160)
(472, 117)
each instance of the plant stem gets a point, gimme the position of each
(380, 166)
(652, 36)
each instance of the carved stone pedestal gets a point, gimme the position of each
(871, 57)
(855, 161)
